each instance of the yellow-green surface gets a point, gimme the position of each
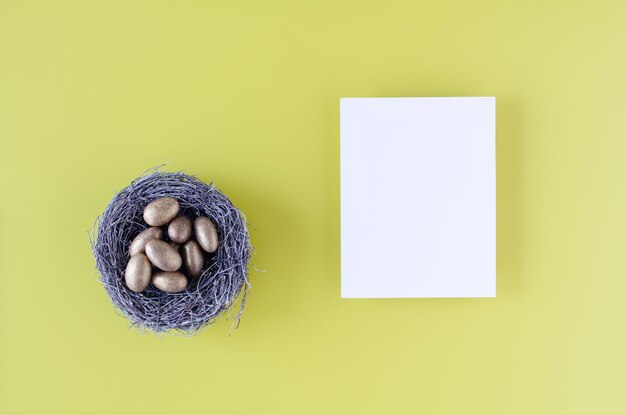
(92, 93)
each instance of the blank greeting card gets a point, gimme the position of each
(418, 197)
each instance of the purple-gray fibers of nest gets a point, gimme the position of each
(224, 276)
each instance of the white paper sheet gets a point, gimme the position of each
(418, 189)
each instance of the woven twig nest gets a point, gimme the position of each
(224, 277)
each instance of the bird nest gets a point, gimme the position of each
(224, 277)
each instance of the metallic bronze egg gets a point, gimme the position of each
(206, 234)
(138, 245)
(179, 230)
(161, 211)
(170, 282)
(193, 258)
(138, 273)
(162, 255)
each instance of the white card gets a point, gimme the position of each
(418, 197)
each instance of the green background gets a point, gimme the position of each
(92, 93)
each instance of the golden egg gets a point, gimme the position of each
(162, 255)
(193, 259)
(170, 282)
(138, 245)
(138, 273)
(179, 230)
(206, 234)
(161, 211)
